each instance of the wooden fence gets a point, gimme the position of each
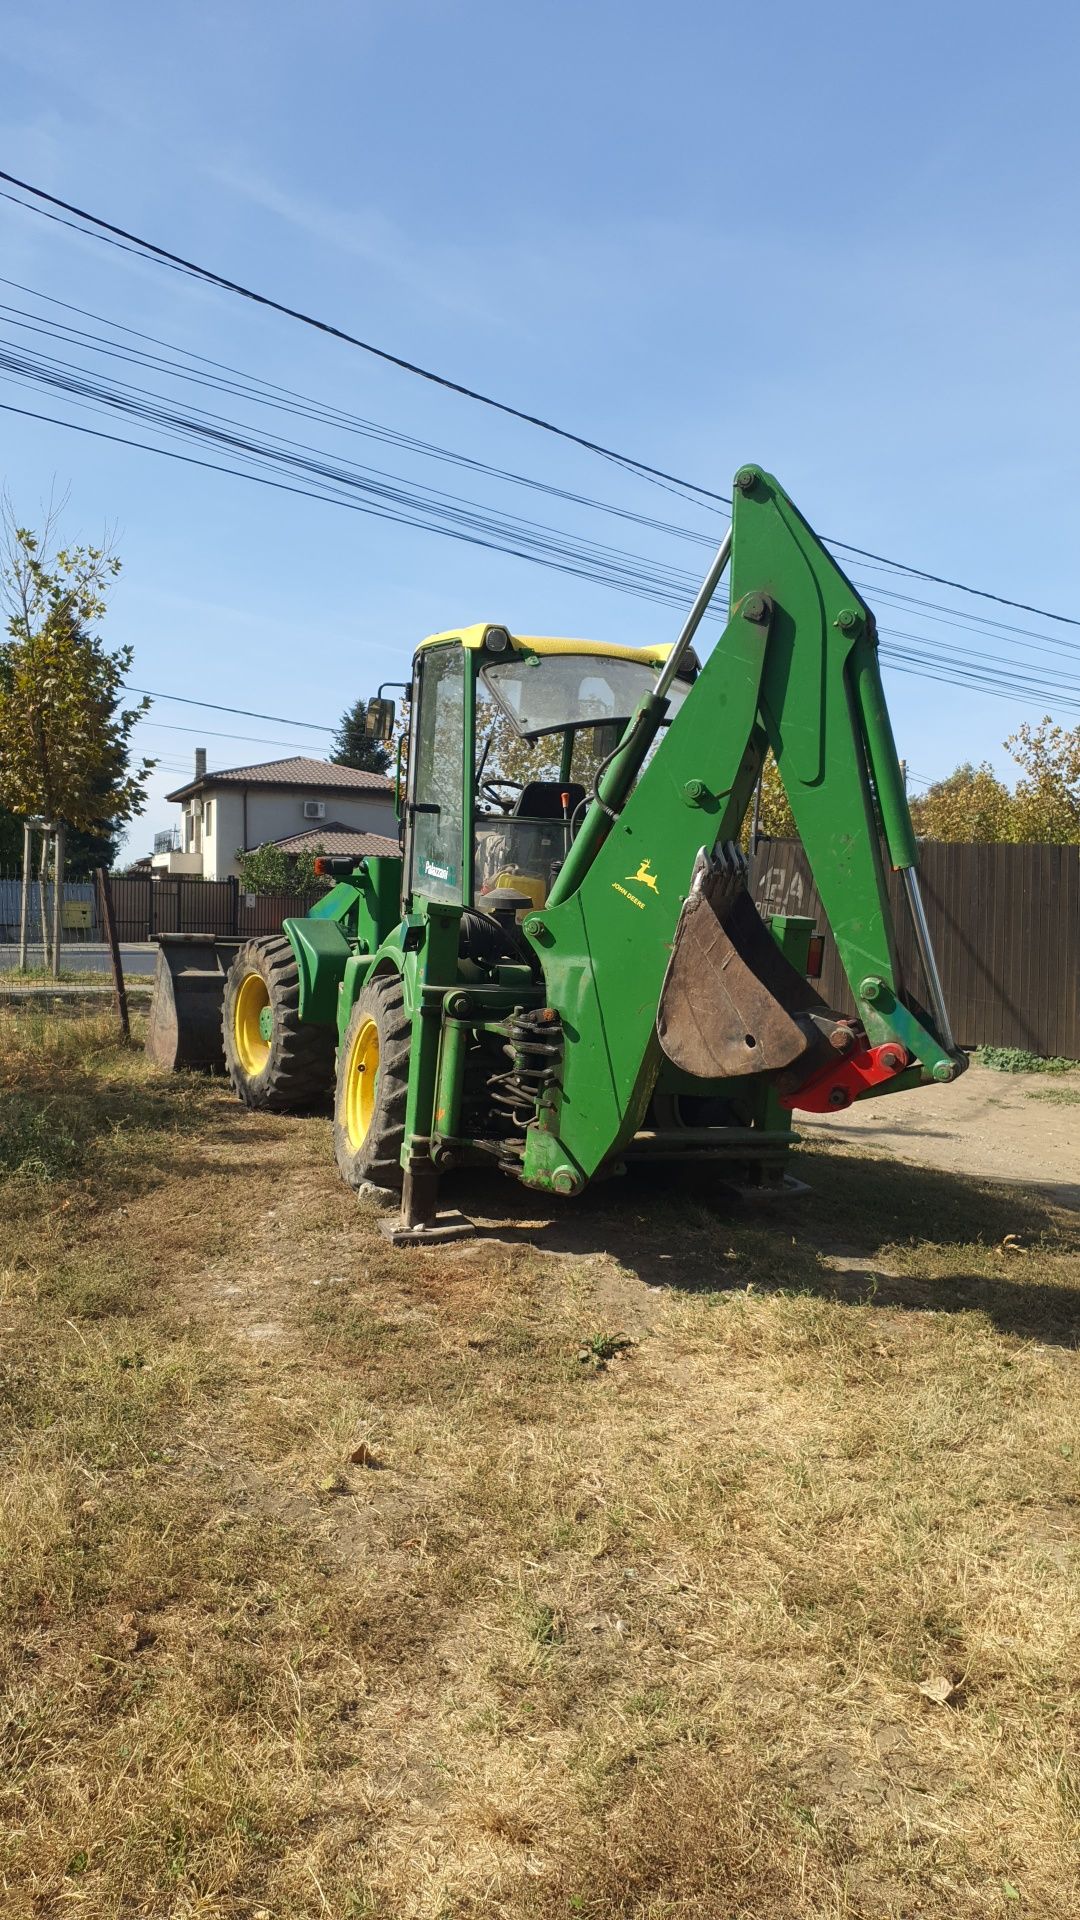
(1005, 924)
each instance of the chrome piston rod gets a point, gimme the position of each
(694, 618)
(927, 956)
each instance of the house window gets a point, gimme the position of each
(208, 816)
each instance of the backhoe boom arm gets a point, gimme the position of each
(796, 671)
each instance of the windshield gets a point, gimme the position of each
(542, 693)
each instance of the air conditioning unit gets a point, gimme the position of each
(314, 809)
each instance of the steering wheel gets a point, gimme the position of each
(504, 806)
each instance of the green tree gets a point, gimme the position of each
(84, 851)
(509, 757)
(971, 804)
(1047, 799)
(269, 870)
(11, 842)
(353, 748)
(775, 818)
(65, 735)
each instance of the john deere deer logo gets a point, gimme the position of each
(644, 878)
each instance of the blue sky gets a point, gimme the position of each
(837, 240)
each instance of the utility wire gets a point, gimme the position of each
(618, 566)
(215, 733)
(107, 230)
(184, 364)
(932, 666)
(245, 713)
(609, 565)
(288, 400)
(121, 396)
(177, 263)
(279, 398)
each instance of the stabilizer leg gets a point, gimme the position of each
(421, 1221)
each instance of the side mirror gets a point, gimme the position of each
(379, 720)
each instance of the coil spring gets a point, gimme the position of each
(534, 1049)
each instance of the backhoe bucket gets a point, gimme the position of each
(185, 1013)
(731, 1003)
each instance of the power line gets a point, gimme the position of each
(245, 713)
(611, 565)
(289, 400)
(666, 593)
(216, 733)
(190, 267)
(46, 369)
(578, 563)
(223, 432)
(265, 393)
(590, 559)
(107, 230)
(662, 588)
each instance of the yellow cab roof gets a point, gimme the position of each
(533, 643)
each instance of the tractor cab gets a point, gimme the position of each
(508, 736)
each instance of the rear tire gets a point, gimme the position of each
(372, 1087)
(274, 1059)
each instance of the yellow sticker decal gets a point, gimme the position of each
(628, 896)
(644, 878)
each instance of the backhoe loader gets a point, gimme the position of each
(564, 973)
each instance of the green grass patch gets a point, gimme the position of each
(1018, 1060)
(37, 1139)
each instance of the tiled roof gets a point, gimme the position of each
(317, 776)
(335, 838)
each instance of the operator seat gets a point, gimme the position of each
(542, 799)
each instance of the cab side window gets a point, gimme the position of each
(438, 781)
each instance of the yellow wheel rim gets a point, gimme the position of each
(252, 1049)
(361, 1083)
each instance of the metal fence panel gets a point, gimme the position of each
(133, 907)
(78, 911)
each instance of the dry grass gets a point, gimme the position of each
(661, 1513)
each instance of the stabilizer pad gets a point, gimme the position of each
(448, 1224)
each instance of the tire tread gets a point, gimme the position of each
(300, 1068)
(378, 1160)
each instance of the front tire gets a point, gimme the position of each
(274, 1059)
(372, 1087)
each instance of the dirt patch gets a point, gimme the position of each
(1017, 1127)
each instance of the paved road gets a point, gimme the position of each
(82, 957)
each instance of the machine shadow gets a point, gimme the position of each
(685, 1231)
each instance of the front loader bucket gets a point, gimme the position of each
(731, 1004)
(185, 1013)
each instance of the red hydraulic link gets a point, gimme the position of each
(837, 1086)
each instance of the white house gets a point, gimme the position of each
(296, 804)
